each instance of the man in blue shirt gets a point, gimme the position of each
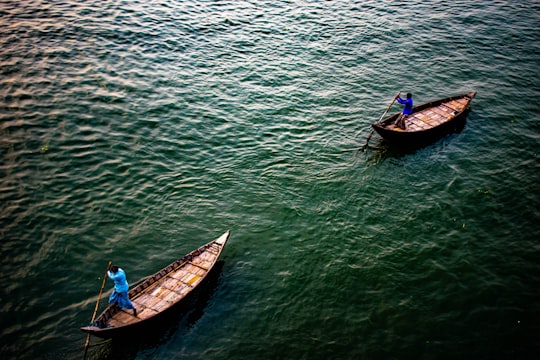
(119, 295)
(407, 110)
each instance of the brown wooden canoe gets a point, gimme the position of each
(159, 292)
(427, 122)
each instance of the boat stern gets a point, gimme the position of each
(91, 329)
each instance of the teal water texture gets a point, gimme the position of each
(136, 131)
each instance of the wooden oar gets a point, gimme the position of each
(388, 108)
(96, 308)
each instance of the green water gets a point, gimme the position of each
(136, 131)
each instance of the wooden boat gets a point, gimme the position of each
(159, 292)
(427, 122)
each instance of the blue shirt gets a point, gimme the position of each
(407, 110)
(119, 278)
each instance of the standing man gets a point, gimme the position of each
(407, 110)
(119, 295)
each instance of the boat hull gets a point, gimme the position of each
(157, 296)
(447, 122)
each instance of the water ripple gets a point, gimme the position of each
(136, 131)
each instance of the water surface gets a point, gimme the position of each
(136, 131)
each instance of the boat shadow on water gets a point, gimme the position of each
(179, 318)
(383, 149)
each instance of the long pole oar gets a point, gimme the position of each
(388, 108)
(97, 306)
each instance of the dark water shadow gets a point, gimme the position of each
(180, 318)
(381, 149)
